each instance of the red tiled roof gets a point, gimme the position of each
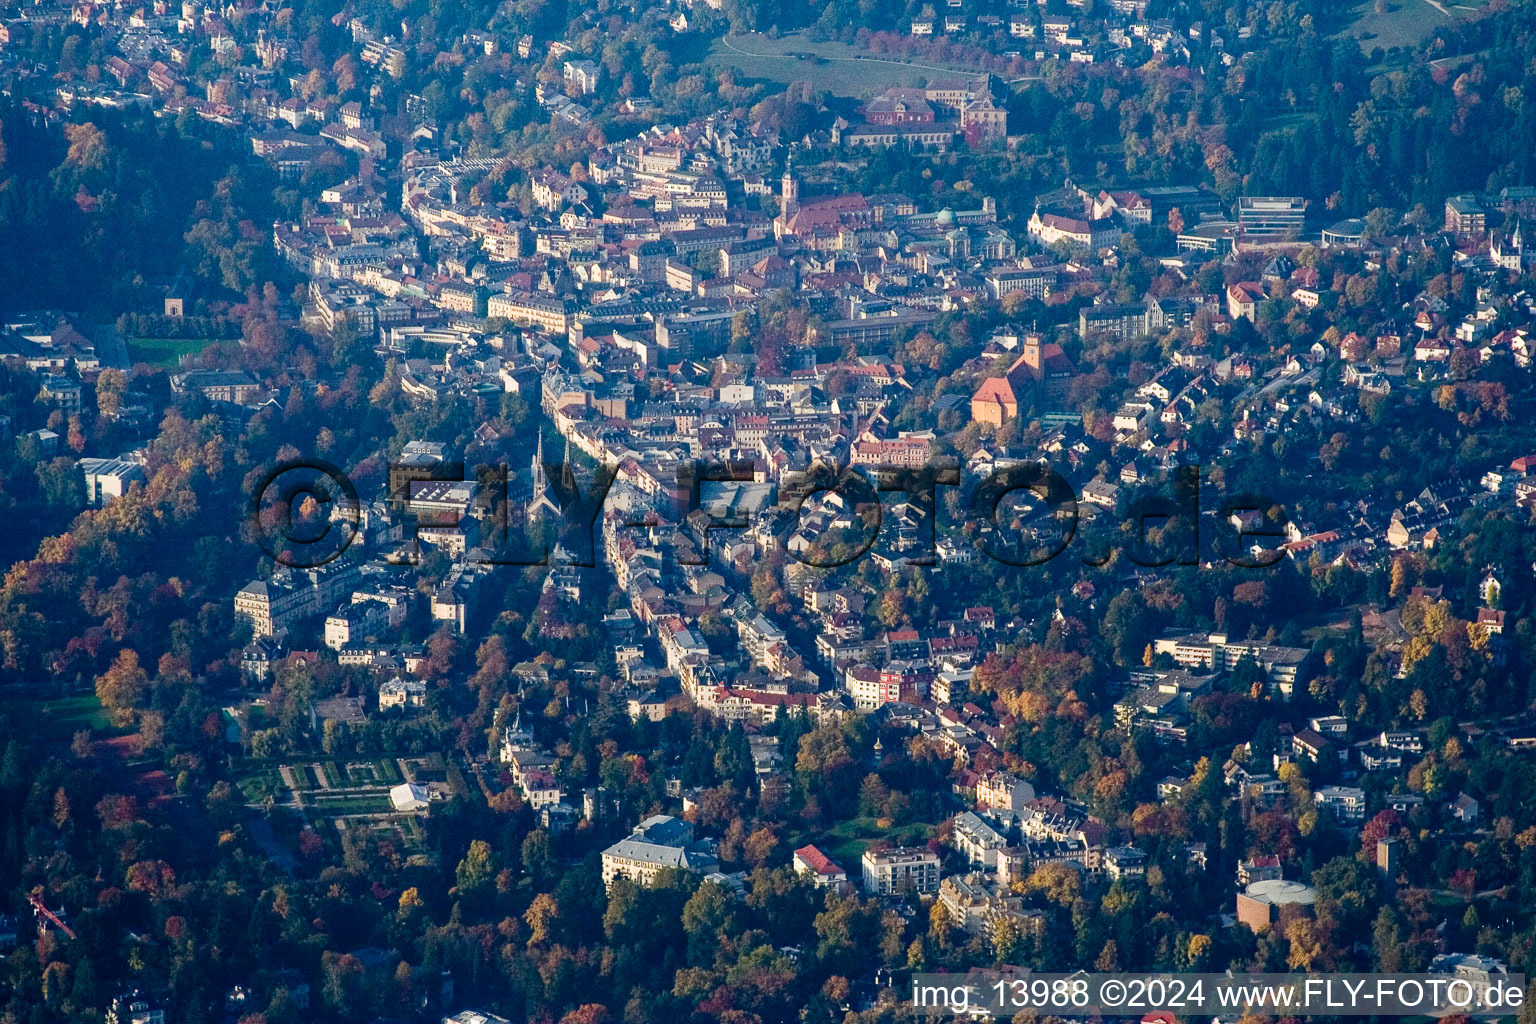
(818, 861)
(996, 389)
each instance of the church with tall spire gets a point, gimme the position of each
(542, 500)
(789, 189)
(789, 196)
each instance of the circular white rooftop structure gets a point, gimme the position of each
(1279, 892)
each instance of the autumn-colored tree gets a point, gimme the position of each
(760, 846)
(1254, 593)
(442, 651)
(116, 811)
(823, 750)
(1385, 825)
(121, 687)
(1059, 883)
(1306, 948)
(940, 927)
(149, 876)
(1109, 958)
(541, 916)
(88, 149)
(111, 385)
(873, 796)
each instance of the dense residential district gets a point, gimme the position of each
(821, 492)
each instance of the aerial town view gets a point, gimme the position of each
(690, 511)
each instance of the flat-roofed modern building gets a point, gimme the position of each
(900, 869)
(106, 479)
(441, 501)
(1214, 236)
(1346, 233)
(1271, 218)
(1346, 802)
(1464, 215)
(1259, 904)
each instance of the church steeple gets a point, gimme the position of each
(542, 501)
(539, 484)
(789, 189)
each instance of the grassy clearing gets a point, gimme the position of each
(351, 804)
(839, 68)
(69, 715)
(1404, 23)
(164, 351)
(845, 842)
